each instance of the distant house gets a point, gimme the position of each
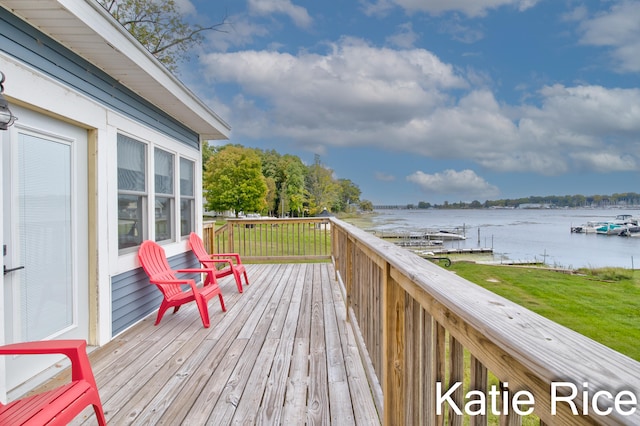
(324, 213)
(534, 206)
(326, 225)
(106, 152)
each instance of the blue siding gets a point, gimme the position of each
(133, 297)
(22, 41)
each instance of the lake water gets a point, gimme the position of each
(524, 234)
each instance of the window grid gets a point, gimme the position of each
(132, 193)
(187, 197)
(164, 195)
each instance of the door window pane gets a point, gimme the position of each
(44, 221)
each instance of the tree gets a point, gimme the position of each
(366, 206)
(348, 197)
(233, 180)
(294, 183)
(322, 187)
(160, 27)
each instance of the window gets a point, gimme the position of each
(165, 199)
(187, 197)
(132, 192)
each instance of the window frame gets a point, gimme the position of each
(180, 152)
(170, 210)
(141, 219)
(190, 199)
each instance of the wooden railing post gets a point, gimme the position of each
(230, 228)
(393, 340)
(479, 382)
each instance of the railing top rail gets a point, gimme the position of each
(279, 220)
(553, 352)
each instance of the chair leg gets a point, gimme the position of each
(102, 421)
(204, 311)
(163, 308)
(224, 309)
(236, 275)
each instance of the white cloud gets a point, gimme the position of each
(463, 183)
(604, 162)
(186, 7)
(298, 14)
(618, 28)
(346, 96)
(404, 38)
(409, 101)
(471, 8)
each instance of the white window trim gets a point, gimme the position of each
(118, 124)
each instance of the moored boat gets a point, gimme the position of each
(631, 231)
(587, 228)
(611, 228)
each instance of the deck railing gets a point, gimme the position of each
(434, 343)
(273, 240)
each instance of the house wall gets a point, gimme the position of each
(44, 76)
(45, 55)
(133, 297)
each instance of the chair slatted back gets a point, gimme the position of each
(197, 246)
(154, 262)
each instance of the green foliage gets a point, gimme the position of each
(618, 199)
(323, 188)
(348, 197)
(293, 182)
(607, 274)
(160, 27)
(366, 206)
(233, 180)
(291, 188)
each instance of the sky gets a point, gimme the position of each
(431, 100)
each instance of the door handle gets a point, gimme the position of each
(6, 271)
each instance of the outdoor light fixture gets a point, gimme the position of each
(6, 117)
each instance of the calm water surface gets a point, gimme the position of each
(524, 234)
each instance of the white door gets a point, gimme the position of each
(45, 237)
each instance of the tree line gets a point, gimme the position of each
(554, 201)
(245, 180)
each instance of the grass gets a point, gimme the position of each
(602, 304)
(279, 240)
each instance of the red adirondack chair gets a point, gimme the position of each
(60, 405)
(154, 262)
(212, 260)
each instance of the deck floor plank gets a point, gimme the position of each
(282, 354)
(318, 392)
(270, 411)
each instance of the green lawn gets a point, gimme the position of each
(603, 305)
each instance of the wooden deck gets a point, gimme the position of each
(281, 354)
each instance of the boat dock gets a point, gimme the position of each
(440, 235)
(479, 250)
(511, 262)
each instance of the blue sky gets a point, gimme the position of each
(432, 100)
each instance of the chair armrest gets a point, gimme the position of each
(194, 271)
(74, 349)
(235, 256)
(220, 260)
(211, 276)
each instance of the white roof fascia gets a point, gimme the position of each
(135, 67)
